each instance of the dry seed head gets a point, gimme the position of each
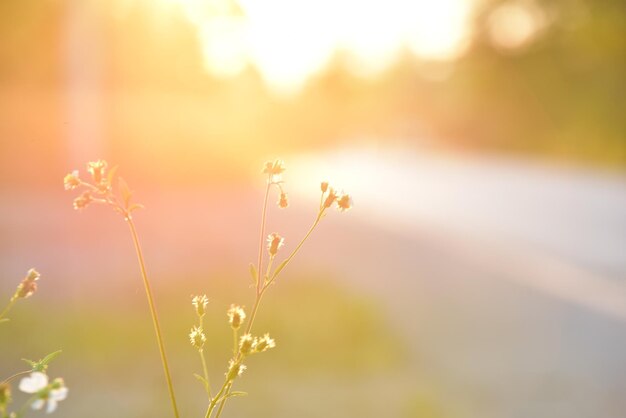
(275, 168)
(264, 343)
(274, 243)
(82, 201)
(247, 344)
(234, 369)
(197, 337)
(200, 302)
(344, 202)
(283, 202)
(71, 181)
(236, 316)
(330, 199)
(96, 169)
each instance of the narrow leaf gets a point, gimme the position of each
(253, 273)
(111, 175)
(203, 381)
(4, 320)
(125, 191)
(47, 359)
(280, 267)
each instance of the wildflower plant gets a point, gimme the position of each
(43, 391)
(99, 189)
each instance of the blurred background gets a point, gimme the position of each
(480, 274)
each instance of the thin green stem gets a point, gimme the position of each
(235, 342)
(153, 312)
(295, 251)
(223, 403)
(205, 371)
(8, 379)
(262, 236)
(8, 307)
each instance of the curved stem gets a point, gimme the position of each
(295, 251)
(153, 312)
(8, 379)
(223, 403)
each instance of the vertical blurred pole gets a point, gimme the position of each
(83, 83)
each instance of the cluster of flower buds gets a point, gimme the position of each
(100, 189)
(28, 285)
(331, 196)
(251, 345)
(236, 316)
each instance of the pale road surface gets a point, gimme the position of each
(510, 276)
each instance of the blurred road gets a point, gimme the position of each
(508, 276)
(504, 278)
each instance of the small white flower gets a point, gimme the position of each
(34, 383)
(51, 394)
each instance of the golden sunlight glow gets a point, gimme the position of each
(291, 40)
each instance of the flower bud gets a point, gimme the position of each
(264, 344)
(330, 199)
(96, 169)
(246, 344)
(197, 337)
(71, 181)
(274, 243)
(283, 202)
(200, 302)
(26, 288)
(236, 316)
(82, 201)
(324, 186)
(234, 369)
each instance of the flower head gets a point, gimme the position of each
(264, 343)
(96, 169)
(274, 243)
(37, 383)
(344, 202)
(236, 315)
(324, 186)
(82, 201)
(246, 344)
(275, 168)
(200, 302)
(197, 337)
(28, 286)
(71, 181)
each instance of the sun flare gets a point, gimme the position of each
(291, 40)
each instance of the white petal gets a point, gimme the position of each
(33, 383)
(38, 404)
(52, 405)
(58, 394)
